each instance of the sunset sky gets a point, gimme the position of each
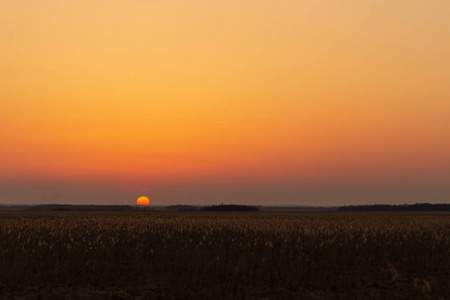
(284, 102)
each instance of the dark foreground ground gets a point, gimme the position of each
(199, 255)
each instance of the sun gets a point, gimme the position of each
(143, 201)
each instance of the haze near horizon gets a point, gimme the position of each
(202, 102)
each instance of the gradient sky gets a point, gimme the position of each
(202, 102)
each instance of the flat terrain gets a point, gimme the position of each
(199, 255)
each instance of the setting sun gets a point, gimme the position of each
(143, 201)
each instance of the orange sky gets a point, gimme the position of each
(261, 102)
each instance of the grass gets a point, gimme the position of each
(192, 255)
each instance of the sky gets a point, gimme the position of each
(284, 102)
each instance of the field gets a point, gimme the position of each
(200, 255)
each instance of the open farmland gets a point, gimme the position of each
(162, 255)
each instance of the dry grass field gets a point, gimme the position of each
(162, 255)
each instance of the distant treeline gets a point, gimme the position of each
(82, 207)
(402, 207)
(230, 207)
(221, 207)
(181, 207)
(67, 207)
(298, 208)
